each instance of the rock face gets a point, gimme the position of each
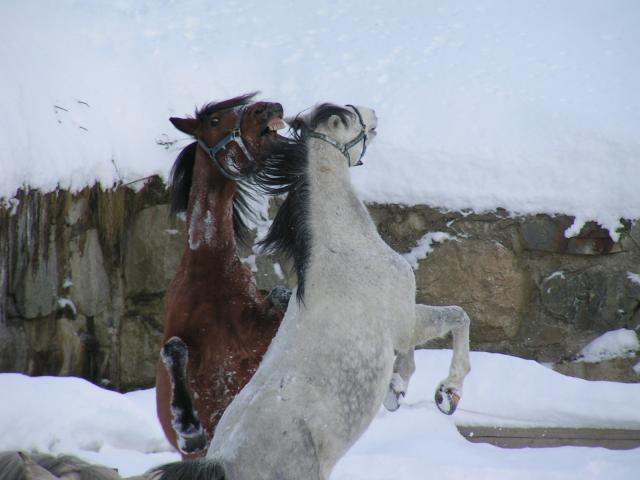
(83, 276)
(483, 278)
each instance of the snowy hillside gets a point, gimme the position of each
(72, 416)
(531, 106)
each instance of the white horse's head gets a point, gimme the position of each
(350, 129)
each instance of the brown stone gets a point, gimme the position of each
(90, 290)
(154, 249)
(480, 276)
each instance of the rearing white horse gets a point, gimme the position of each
(329, 367)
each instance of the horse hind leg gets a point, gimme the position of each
(433, 322)
(191, 437)
(403, 369)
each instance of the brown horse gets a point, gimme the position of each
(213, 310)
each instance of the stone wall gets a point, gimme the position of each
(82, 280)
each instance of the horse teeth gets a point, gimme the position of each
(275, 124)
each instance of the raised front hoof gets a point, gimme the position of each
(447, 399)
(175, 350)
(279, 296)
(193, 444)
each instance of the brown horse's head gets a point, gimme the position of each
(235, 134)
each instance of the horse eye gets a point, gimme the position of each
(214, 121)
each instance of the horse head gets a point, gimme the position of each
(350, 129)
(236, 135)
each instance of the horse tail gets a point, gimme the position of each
(20, 466)
(200, 469)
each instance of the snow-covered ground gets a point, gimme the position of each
(532, 106)
(416, 442)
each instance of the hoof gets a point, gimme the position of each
(174, 353)
(279, 296)
(394, 393)
(175, 346)
(447, 399)
(392, 400)
(193, 443)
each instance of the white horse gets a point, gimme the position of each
(329, 367)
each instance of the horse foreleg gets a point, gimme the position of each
(191, 436)
(433, 322)
(403, 369)
(279, 296)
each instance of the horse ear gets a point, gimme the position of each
(186, 125)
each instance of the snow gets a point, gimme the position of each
(72, 416)
(558, 274)
(67, 302)
(250, 262)
(277, 269)
(633, 278)
(614, 344)
(424, 246)
(530, 106)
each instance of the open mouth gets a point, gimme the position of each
(273, 125)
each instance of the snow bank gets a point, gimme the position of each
(72, 416)
(508, 391)
(418, 442)
(530, 106)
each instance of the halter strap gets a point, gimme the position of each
(344, 149)
(234, 135)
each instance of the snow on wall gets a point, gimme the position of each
(620, 343)
(530, 106)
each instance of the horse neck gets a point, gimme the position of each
(337, 213)
(210, 210)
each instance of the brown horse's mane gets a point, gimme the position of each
(180, 186)
(182, 174)
(290, 232)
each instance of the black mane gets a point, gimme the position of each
(182, 173)
(290, 233)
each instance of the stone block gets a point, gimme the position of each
(90, 289)
(598, 298)
(154, 249)
(480, 276)
(139, 352)
(617, 369)
(545, 233)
